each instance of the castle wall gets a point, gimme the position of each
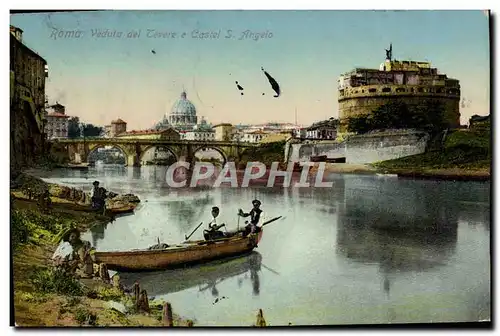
(362, 102)
(363, 149)
(370, 148)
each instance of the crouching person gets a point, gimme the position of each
(80, 261)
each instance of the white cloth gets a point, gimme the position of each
(63, 250)
(213, 221)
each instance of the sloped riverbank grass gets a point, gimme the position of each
(464, 153)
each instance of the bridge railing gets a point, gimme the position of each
(154, 141)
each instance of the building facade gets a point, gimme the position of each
(198, 135)
(168, 134)
(57, 122)
(28, 72)
(117, 127)
(253, 136)
(362, 90)
(323, 130)
(223, 132)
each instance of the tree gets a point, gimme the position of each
(74, 128)
(90, 130)
(427, 116)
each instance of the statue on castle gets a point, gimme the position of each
(388, 53)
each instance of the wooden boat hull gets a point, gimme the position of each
(121, 210)
(179, 255)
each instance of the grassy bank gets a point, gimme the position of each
(44, 297)
(465, 155)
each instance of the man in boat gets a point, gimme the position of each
(98, 196)
(254, 218)
(81, 260)
(213, 231)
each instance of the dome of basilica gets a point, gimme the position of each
(183, 112)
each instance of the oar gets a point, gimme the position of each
(271, 220)
(187, 237)
(270, 269)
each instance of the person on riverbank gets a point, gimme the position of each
(213, 231)
(81, 259)
(254, 218)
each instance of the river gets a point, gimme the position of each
(370, 249)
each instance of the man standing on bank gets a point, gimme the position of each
(254, 218)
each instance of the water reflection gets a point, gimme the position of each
(210, 276)
(400, 228)
(183, 212)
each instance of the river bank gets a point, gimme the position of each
(452, 173)
(41, 298)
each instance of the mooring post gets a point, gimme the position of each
(260, 319)
(168, 320)
(143, 302)
(136, 292)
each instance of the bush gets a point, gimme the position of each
(56, 281)
(84, 316)
(19, 228)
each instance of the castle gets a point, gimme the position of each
(362, 90)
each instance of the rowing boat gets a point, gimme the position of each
(189, 252)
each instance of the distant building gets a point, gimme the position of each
(168, 134)
(57, 122)
(479, 122)
(362, 90)
(277, 137)
(254, 136)
(300, 133)
(118, 126)
(323, 130)
(198, 135)
(107, 131)
(201, 132)
(223, 132)
(270, 127)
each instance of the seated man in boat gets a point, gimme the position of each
(254, 218)
(213, 231)
(81, 259)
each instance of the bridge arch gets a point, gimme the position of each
(217, 149)
(146, 149)
(94, 148)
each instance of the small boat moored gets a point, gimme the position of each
(190, 252)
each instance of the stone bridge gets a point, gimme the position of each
(78, 150)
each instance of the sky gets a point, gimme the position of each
(101, 78)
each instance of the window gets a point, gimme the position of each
(400, 90)
(440, 90)
(386, 89)
(420, 90)
(372, 90)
